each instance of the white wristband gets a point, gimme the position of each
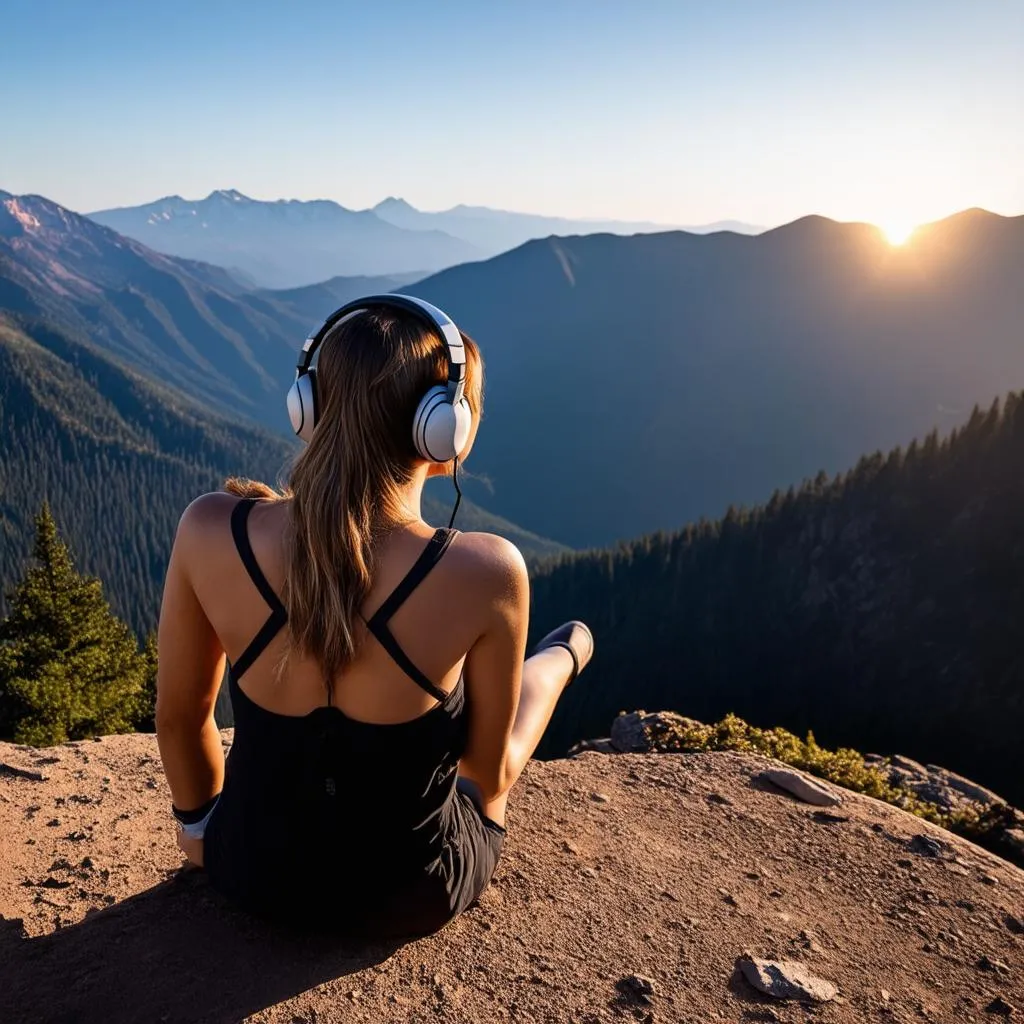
(198, 828)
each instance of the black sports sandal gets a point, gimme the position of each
(576, 638)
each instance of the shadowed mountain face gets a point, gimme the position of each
(638, 383)
(287, 243)
(316, 302)
(494, 231)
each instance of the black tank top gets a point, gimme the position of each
(331, 815)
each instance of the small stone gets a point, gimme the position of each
(989, 880)
(1015, 924)
(1001, 1007)
(600, 798)
(15, 772)
(590, 872)
(804, 788)
(986, 963)
(638, 988)
(925, 846)
(783, 979)
(568, 847)
(884, 993)
(717, 798)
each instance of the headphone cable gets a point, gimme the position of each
(458, 492)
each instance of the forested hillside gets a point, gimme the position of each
(119, 457)
(881, 609)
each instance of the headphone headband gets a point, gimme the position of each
(437, 320)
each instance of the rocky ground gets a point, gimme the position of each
(649, 887)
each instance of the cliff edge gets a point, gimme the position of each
(651, 887)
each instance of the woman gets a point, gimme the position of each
(383, 709)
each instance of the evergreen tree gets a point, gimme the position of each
(69, 669)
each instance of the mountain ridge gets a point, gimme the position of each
(741, 362)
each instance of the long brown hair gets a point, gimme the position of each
(345, 486)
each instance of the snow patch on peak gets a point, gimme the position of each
(230, 194)
(26, 219)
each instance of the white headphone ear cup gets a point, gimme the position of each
(439, 429)
(302, 405)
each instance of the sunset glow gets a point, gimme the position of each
(896, 232)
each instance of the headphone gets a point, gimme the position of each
(441, 426)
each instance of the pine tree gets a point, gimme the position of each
(69, 669)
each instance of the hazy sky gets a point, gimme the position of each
(678, 112)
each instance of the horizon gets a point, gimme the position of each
(897, 233)
(673, 114)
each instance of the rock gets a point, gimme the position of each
(13, 771)
(600, 798)
(986, 963)
(1015, 924)
(925, 846)
(638, 988)
(602, 746)
(803, 787)
(629, 735)
(1001, 1007)
(1015, 837)
(783, 979)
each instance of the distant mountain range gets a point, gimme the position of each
(636, 384)
(495, 231)
(291, 243)
(633, 383)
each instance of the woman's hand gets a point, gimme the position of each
(192, 848)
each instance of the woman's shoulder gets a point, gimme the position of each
(207, 510)
(489, 558)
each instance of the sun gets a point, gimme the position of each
(897, 232)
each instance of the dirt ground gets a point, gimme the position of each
(668, 867)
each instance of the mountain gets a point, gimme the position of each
(635, 384)
(286, 243)
(494, 231)
(880, 608)
(185, 323)
(119, 456)
(631, 887)
(316, 302)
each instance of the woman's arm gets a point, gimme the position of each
(493, 672)
(190, 666)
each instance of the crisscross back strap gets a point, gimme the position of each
(278, 614)
(378, 622)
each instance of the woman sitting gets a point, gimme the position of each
(383, 709)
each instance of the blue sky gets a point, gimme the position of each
(677, 112)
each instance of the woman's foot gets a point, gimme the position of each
(576, 638)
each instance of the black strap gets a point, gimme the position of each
(377, 623)
(278, 614)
